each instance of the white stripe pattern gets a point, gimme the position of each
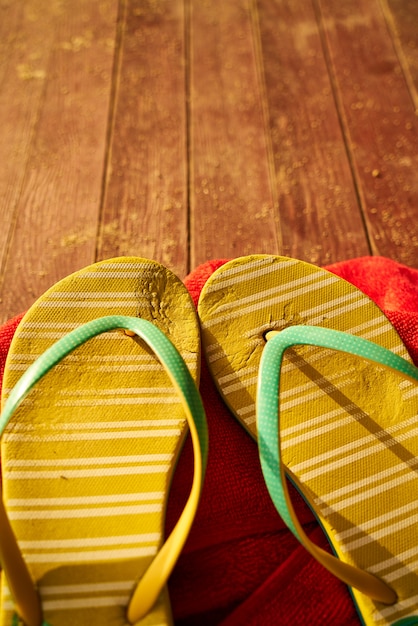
(371, 492)
(128, 434)
(90, 295)
(287, 288)
(251, 308)
(57, 335)
(79, 603)
(365, 527)
(117, 498)
(399, 607)
(258, 331)
(400, 524)
(135, 470)
(94, 358)
(65, 304)
(91, 512)
(348, 453)
(356, 455)
(61, 590)
(121, 274)
(53, 544)
(314, 422)
(411, 393)
(91, 556)
(394, 561)
(95, 401)
(315, 394)
(245, 272)
(94, 425)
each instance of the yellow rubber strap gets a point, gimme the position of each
(268, 427)
(18, 577)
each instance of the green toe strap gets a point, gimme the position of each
(268, 425)
(151, 584)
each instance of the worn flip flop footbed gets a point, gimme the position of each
(88, 456)
(348, 427)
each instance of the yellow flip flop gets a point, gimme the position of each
(88, 455)
(348, 435)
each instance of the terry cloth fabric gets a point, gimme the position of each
(240, 565)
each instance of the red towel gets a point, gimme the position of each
(240, 566)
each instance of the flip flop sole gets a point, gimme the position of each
(349, 436)
(87, 458)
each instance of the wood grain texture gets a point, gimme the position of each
(319, 213)
(231, 197)
(402, 19)
(145, 209)
(24, 55)
(186, 131)
(379, 121)
(59, 197)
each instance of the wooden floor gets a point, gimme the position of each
(185, 130)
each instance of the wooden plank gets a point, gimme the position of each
(379, 120)
(24, 55)
(59, 200)
(145, 209)
(231, 197)
(319, 213)
(402, 19)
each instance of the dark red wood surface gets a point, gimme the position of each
(186, 131)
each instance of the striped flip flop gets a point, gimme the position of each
(88, 455)
(348, 432)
